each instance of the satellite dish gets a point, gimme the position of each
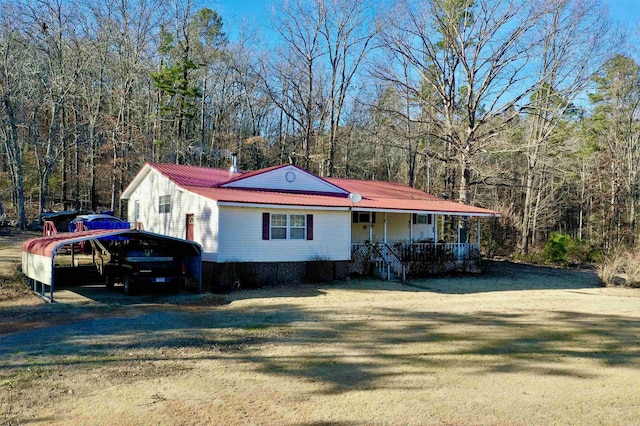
(355, 197)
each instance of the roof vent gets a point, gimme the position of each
(234, 163)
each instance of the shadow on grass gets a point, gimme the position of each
(342, 351)
(509, 276)
(501, 276)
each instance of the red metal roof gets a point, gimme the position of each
(380, 195)
(381, 189)
(193, 175)
(427, 203)
(46, 246)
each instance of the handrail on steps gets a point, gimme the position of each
(397, 261)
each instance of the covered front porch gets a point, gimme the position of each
(394, 245)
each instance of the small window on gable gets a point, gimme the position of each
(164, 204)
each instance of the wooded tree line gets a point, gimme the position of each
(521, 106)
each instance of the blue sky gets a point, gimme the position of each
(258, 12)
(625, 10)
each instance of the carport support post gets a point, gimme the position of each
(52, 278)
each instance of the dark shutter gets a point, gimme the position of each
(354, 217)
(373, 217)
(265, 226)
(309, 227)
(429, 219)
(415, 218)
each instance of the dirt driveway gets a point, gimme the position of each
(521, 345)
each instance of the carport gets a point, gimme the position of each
(39, 255)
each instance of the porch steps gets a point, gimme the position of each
(391, 276)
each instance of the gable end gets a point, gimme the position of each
(288, 178)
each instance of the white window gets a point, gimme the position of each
(164, 204)
(297, 227)
(288, 227)
(279, 226)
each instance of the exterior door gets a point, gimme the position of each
(189, 235)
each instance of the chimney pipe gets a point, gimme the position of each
(234, 163)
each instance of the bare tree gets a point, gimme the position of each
(347, 30)
(296, 85)
(573, 46)
(474, 56)
(13, 90)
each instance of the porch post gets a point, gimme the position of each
(385, 227)
(411, 227)
(478, 239)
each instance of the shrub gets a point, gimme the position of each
(562, 249)
(319, 269)
(620, 269)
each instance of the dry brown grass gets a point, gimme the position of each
(13, 287)
(520, 345)
(621, 268)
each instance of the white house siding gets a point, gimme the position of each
(174, 223)
(277, 179)
(398, 229)
(240, 237)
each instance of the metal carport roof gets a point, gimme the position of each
(38, 254)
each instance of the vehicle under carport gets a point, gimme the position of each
(43, 264)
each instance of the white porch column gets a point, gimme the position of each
(478, 238)
(385, 228)
(436, 227)
(371, 227)
(411, 227)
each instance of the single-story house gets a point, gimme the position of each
(281, 219)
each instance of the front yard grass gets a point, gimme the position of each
(520, 345)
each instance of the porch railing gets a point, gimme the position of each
(398, 257)
(427, 251)
(438, 251)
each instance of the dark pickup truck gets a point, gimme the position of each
(142, 264)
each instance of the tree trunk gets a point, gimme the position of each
(14, 154)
